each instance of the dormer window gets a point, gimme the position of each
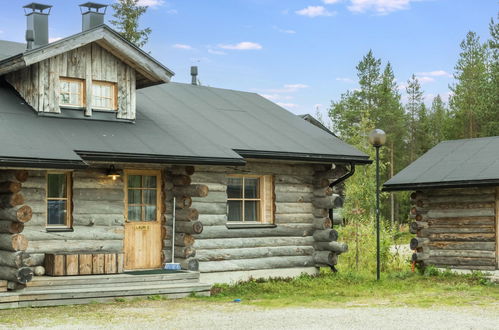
(104, 95)
(71, 92)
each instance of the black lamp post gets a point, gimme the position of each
(377, 138)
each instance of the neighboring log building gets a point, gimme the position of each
(455, 204)
(97, 142)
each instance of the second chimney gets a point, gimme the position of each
(37, 19)
(194, 75)
(92, 15)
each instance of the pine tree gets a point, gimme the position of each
(491, 117)
(439, 120)
(413, 106)
(469, 101)
(127, 14)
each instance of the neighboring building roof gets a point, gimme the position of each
(176, 123)
(452, 164)
(150, 72)
(315, 122)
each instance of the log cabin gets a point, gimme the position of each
(455, 204)
(100, 150)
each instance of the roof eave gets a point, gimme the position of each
(441, 185)
(307, 157)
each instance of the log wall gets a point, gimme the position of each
(39, 83)
(456, 228)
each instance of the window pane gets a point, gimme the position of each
(150, 197)
(56, 212)
(134, 213)
(74, 99)
(106, 91)
(64, 99)
(150, 213)
(134, 181)
(97, 102)
(134, 196)
(64, 86)
(234, 210)
(74, 87)
(251, 188)
(149, 182)
(56, 185)
(251, 210)
(234, 188)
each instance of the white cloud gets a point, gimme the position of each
(425, 79)
(381, 7)
(275, 97)
(436, 73)
(182, 46)
(54, 39)
(346, 80)
(286, 31)
(314, 11)
(216, 52)
(245, 45)
(288, 88)
(172, 11)
(287, 105)
(151, 3)
(330, 2)
(1, 31)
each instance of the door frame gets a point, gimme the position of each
(159, 207)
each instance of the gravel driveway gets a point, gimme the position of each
(237, 316)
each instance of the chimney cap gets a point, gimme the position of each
(34, 6)
(93, 5)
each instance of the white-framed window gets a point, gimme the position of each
(72, 92)
(104, 95)
(250, 199)
(58, 198)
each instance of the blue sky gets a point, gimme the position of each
(299, 53)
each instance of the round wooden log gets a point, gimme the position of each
(257, 263)
(418, 210)
(338, 247)
(338, 217)
(17, 213)
(417, 225)
(14, 175)
(33, 259)
(10, 200)
(13, 259)
(327, 235)
(417, 195)
(321, 224)
(182, 170)
(20, 275)
(331, 174)
(251, 242)
(10, 187)
(11, 227)
(182, 252)
(183, 202)
(321, 182)
(38, 270)
(328, 191)
(325, 258)
(418, 242)
(419, 257)
(292, 197)
(187, 214)
(252, 253)
(14, 242)
(189, 227)
(328, 202)
(181, 180)
(193, 190)
(38, 233)
(182, 239)
(320, 212)
(188, 264)
(281, 230)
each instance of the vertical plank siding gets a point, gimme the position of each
(458, 227)
(39, 83)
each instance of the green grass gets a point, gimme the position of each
(350, 289)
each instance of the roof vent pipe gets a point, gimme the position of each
(37, 21)
(194, 75)
(92, 15)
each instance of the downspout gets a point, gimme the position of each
(340, 180)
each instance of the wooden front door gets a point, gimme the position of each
(143, 219)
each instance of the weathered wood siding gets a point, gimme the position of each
(290, 244)
(456, 228)
(39, 83)
(98, 219)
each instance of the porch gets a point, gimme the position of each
(69, 290)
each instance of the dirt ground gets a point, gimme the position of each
(193, 314)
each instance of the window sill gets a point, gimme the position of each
(249, 225)
(58, 230)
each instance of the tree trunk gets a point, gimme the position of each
(15, 242)
(20, 275)
(18, 214)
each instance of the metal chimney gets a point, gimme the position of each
(194, 75)
(37, 19)
(92, 15)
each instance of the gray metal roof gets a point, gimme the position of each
(458, 163)
(176, 123)
(10, 48)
